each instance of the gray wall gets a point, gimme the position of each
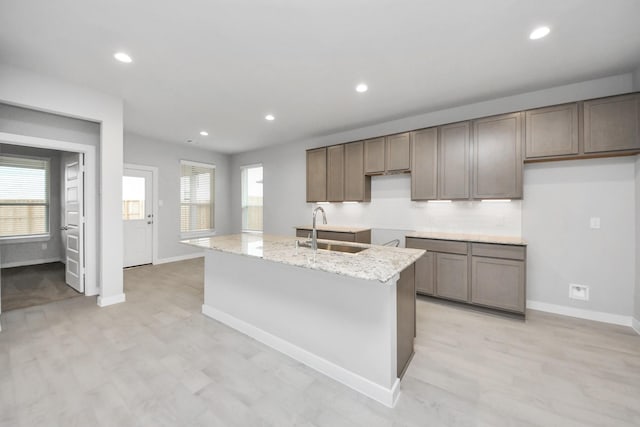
(285, 206)
(33, 252)
(166, 157)
(23, 121)
(559, 200)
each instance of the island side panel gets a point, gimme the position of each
(348, 322)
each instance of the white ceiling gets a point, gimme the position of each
(222, 65)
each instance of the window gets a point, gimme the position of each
(24, 196)
(197, 197)
(133, 197)
(252, 198)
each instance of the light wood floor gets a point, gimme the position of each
(156, 361)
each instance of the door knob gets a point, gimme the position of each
(65, 228)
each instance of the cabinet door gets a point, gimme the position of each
(551, 131)
(317, 175)
(424, 164)
(405, 318)
(497, 157)
(425, 273)
(374, 156)
(398, 152)
(357, 186)
(453, 161)
(452, 276)
(498, 283)
(335, 173)
(612, 124)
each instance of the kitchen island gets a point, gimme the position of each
(348, 315)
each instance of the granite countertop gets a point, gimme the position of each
(336, 228)
(479, 238)
(379, 263)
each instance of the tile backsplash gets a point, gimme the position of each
(391, 208)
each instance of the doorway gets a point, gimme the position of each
(42, 225)
(138, 215)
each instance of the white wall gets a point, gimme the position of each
(166, 157)
(559, 200)
(391, 209)
(636, 79)
(29, 253)
(39, 92)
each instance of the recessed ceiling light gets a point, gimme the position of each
(270, 117)
(123, 57)
(539, 33)
(204, 133)
(362, 88)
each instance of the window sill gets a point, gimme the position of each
(197, 235)
(25, 239)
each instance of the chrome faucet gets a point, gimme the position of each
(314, 232)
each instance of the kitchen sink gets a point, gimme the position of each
(340, 248)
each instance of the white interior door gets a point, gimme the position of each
(73, 226)
(137, 216)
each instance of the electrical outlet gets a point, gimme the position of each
(44, 246)
(580, 292)
(594, 222)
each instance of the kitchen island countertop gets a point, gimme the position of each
(379, 263)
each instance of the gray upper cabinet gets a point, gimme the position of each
(374, 153)
(497, 157)
(398, 152)
(551, 131)
(612, 124)
(317, 175)
(335, 173)
(357, 186)
(453, 161)
(424, 164)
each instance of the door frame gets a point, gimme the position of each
(154, 205)
(91, 286)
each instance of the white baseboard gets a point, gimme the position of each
(386, 396)
(30, 262)
(598, 316)
(179, 258)
(115, 299)
(635, 324)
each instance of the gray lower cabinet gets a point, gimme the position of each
(498, 283)
(485, 274)
(425, 274)
(452, 276)
(406, 318)
(612, 124)
(552, 131)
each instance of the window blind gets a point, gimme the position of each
(24, 196)
(197, 197)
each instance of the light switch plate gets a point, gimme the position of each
(594, 222)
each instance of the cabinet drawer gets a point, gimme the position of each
(447, 246)
(334, 235)
(498, 251)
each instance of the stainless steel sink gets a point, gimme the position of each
(340, 248)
